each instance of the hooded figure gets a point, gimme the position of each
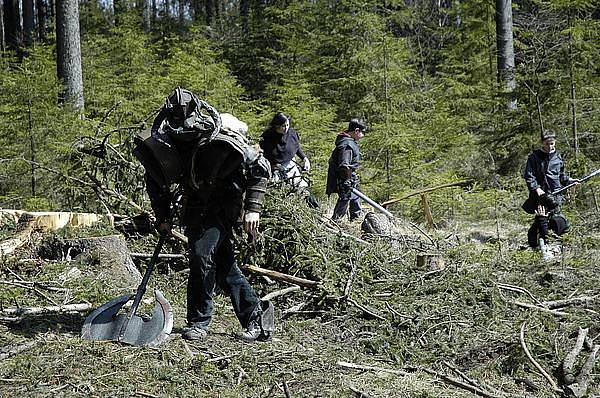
(341, 174)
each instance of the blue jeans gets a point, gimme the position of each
(212, 262)
(347, 200)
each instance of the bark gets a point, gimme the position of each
(41, 19)
(209, 8)
(181, 11)
(68, 52)
(147, 14)
(244, 13)
(506, 52)
(28, 22)
(2, 41)
(12, 25)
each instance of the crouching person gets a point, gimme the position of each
(223, 178)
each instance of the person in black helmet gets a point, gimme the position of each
(181, 116)
(544, 174)
(223, 180)
(341, 174)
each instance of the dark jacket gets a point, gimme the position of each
(281, 148)
(346, 155)
(216, 181)
(546, 171)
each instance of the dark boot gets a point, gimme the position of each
(261, 326)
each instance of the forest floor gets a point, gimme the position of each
(392, 329)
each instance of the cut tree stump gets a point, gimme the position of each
(377, 224)
(108, 254)
(432, 261)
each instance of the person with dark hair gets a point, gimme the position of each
(544, 174)
(223, 179)
(281, 144)
(341, 174)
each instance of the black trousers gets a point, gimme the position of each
(541, 225)
(212, 262)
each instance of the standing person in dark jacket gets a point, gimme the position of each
(281, 143)
(544, 174)
(222, 177)
(341, 174)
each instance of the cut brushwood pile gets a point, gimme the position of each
(379, 312)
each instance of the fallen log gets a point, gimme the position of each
(281, 276)
(21, 311)
(44, 221)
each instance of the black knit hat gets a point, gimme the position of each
(547, 134)
(356, 123)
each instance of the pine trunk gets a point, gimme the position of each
(147, 15)
(506, 51)
(68, 51)
(12, 26)
(28, 22)
(41, 19)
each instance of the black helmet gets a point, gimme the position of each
(182, 104)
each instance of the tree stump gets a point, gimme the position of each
(431, 261)
(108, 254)
(377, 224)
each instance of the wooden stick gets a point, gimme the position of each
(20, 311)
(535, 363)
(569, 361)
(535, 307)
(286, 390)
(425, 190)
(518, 289)
(365, 309)
(349, 365)
(353, 271)
(571, 301)
(18, 349)
(281, 276)
(167, 256)
(277, 293)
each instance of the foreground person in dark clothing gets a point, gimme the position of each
(341, 174)
(281, 143)
(544, 174)
(222, 177)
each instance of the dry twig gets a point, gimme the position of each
(535, 363)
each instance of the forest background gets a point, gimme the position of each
(423, 74)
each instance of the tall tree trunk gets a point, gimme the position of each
(181, 11)
(154, 10)
(68, 51)
(119, 7)
(506, 51)
(147, 14)
(12, 24)
(167, 9)
(573, 91)
(41, 19)
(2, 40)
(209, 11)
(244, 14)
(28, 22)
(32, 145)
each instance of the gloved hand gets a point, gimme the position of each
(251, 221)
(306, 165)
(550, 202)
